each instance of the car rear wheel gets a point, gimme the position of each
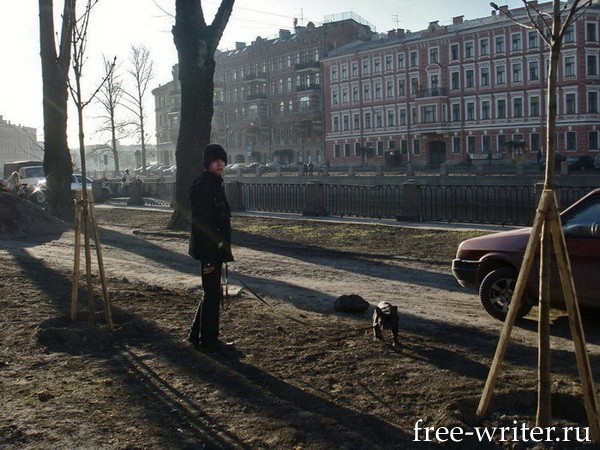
(496, 292)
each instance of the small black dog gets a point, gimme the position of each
(386, 317)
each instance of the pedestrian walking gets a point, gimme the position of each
(210, 243)
(126, 180)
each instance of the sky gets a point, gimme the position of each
(116, 25)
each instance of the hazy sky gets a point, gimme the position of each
(117, 24)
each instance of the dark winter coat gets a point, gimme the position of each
(210, 238)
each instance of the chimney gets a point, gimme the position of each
(240, 45)
(283, 34)
(457, 20)
(504, 9)
(391, 33)
(493, 13)
(400, 32)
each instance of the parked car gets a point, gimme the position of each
(235, 167)
(558, 159)
(490, 264)
(170, 170)
(584, 162)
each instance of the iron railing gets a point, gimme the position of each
(274, 197)
(363, 201)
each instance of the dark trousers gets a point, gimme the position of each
(206, 321)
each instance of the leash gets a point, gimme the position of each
(225, 299)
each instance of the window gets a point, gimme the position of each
(334, 73)
(336, 124)
(485, 76)
(501, 109)
(304, 104)
(534, 106)
(569, 37)
(501, 143)
(414, 60)
(500, 74)
(367, 92)
(469, 49)
(357, 151)
(289, 84)
(416, 146)
(345, 95)
(390, 117)
(402, 117)
(379, 151)
(344, 73)
(485, 110)
(401, 62)
(469, 78)
(356, 121)
(401, 87)
(336, 150)
(454, 52)
(379, 119)
(593, 143)
(470, 144)
(378, 90)
(388, 63)
(499, 44)
(534, 70)
(592, 65)
(455, 80)
(433, 55)
(389, 88)
(334, 97)
(434, 83)
(570, 140)
(456, 112)
(414, 85)
(591, 33)
(517, 73)
(367, 120)
(455, 144)
(533, 39)
(346, 150)
(593, 102)
(404, 146)
(376, 65)
(486, 144)
(470, 110)
(346, 122)
(517, 107)
(427, 114)
(534, 142)
(570, 104)
(516, 43)
(569, 66)
(484, 47)
(354, 69)
(365, 67)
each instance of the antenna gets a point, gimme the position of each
(395, 19)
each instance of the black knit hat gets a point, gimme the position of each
(213, 152)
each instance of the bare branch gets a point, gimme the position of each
(575, 10)
(220, 21)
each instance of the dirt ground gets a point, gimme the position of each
(315, 379)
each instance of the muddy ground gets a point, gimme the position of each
(315, 379)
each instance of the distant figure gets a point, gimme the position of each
(13, 182)
(311, 168)
(126, 181)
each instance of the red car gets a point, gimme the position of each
(490, 264)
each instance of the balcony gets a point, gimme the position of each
(436, 92)
(253, 97)
(260, 76)
(308, 87)
(310, 65)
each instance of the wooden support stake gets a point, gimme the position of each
(515, 303)
(590, 399)
(88, 261)
(77, 257)
(107, 308)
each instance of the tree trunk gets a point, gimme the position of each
(115, 152)
(196, 44)
(58, 165)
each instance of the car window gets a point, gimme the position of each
(585, 223)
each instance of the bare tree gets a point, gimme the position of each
(110, 97)
(58, 165)
(196, 43)
(142, 72)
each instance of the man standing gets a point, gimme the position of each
(126, 181)
(210, 243)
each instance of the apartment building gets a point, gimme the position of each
(18, 143)
(268, 95)
(464, 91)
